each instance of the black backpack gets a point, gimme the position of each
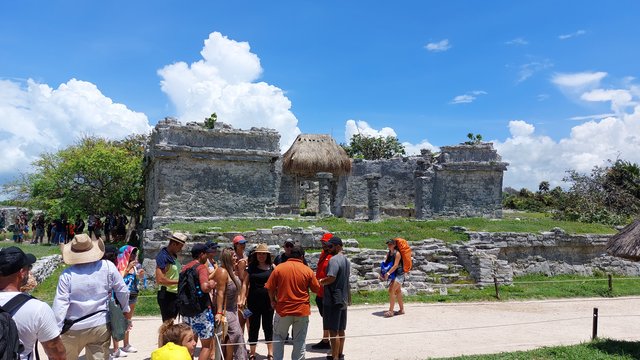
(191, 299)
(10, 345)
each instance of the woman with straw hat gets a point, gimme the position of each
(82, 297)
(259, 304)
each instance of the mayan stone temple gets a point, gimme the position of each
(197, 173)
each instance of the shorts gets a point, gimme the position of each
(201, 324)
(133, 298)
(319, 304)
(334, 318)
(399, 278)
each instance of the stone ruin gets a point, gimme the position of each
(194, 173)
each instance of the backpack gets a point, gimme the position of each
(405, 252)
(191, 300)
(10, 345)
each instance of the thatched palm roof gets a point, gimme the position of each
(313, 153)
(626, 243)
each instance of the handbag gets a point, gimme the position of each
(118, 324)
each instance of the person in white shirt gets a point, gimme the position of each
(34, 319)
(85, 289)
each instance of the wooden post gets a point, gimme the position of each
(610, 284)
(495, 283)
(594, 331)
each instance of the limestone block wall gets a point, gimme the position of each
(193, 171)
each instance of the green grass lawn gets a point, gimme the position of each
(37, 250)
(373, 234)
(601, 349)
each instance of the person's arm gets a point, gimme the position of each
(273, 297)
(221, 285)
(55, 349)
(118, 286)
(203, 274)
(62, 299)
(244, 290)
(162, 279)
(315, 284)
(396, 263)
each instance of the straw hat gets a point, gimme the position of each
(179, 237)
(262, 248)
(82, 250)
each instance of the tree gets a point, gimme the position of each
(544, 187)
(210, 122)
(93, 176)
(373, 148)
(474, 139)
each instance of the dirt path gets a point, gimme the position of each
(442, 330)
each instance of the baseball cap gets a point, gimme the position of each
(326, 237)
(391, 241)
(335, 241)
(239, 239)
(212, 246)
(198, 249)
(12, 259)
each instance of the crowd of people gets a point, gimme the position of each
(239, 290)
(40, 229)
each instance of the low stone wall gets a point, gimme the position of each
(436, 263)
(45, 266)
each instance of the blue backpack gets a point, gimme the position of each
(385, 267)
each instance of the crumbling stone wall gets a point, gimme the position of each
(194, 171)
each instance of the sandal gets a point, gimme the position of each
(388, 314)
(400, 312)
(252, 357)
(269, 357)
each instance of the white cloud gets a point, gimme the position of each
(619, 98)
(579, 81)
(224, 81)
(468, 97)
(591, 117)
(573, 34)
(439, 46)
(517, 41)
(353, 127)
(542, 97)
(35, 118)
(534, 158)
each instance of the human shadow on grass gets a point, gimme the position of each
(618, 347)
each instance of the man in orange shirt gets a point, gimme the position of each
(288, 288)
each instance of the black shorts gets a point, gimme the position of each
(319, 304)
(334, 317)
(168, 303)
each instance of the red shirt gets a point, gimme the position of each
(321, 269)
(291, 280)
(203, 272)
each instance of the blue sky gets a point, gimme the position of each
(551, 83)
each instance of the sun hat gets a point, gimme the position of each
(262, 248)
(81, 250)
(12, 259)
(239, 239)
(335, 241)
(179, 237)
(326, 237)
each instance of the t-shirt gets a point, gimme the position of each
(292, 280)
(340, 268)
(321, 269)
(35, 322)
(203, 271)
(171, 351)
(163, 260)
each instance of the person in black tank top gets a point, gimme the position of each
(395, 287)
(258, 301)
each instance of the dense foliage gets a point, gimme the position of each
(373, 148)
(607, 195)
(93, 176)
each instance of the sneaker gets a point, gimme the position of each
(129, 349)
(321, 345)
(119, 354)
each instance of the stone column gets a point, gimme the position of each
(324, 193)
(374, 196)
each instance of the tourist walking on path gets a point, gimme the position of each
(167, 272)
(130, 269)
(34, 319)
(227, 285)
(202, 324)
(396, 277)
(337, 296)
(84, 289)
(288, 288)
(321, 273)
(260, 268)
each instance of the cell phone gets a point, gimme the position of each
(247, 313)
